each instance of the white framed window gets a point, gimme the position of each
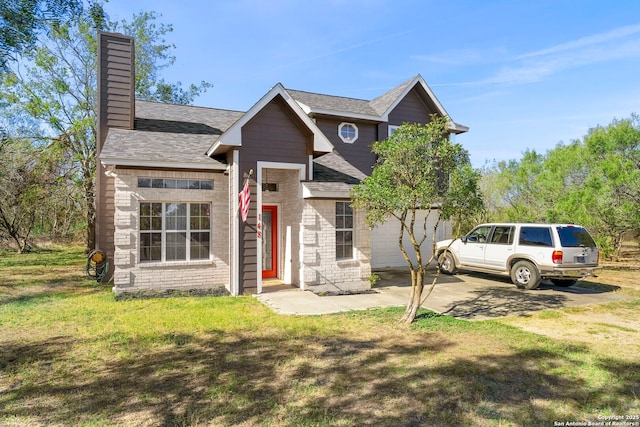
(344, 231)
(174, 231)
(392, 129)
(348, 132)
(181, 184)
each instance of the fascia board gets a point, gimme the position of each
(458, 128)
(212, 150)
(218, 148)
(455, 127)
(432, 95)
(321, 144)
(305, 107)
(231, 138)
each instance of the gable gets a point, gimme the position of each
(413, 109)
(276, 134)
(407, 106)
(232, 138)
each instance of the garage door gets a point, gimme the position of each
(384, 241)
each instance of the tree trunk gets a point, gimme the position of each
(417, 285)
(91, 227)
(90, 199)
(12, 227)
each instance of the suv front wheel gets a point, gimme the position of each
(525, 275)
(447, 263)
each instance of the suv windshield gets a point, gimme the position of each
(573, 237)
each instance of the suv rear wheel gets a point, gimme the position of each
(525, 275)
(447, 263)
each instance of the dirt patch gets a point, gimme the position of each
(610, 329)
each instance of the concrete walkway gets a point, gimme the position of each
(465, 296)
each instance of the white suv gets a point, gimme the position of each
(528, 253)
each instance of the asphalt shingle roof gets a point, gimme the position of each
(376, 107)
(382, 103)
(147, 146)
(160, 117)
(334, 187)
(332, 167)
(169, 133)
(333, 103)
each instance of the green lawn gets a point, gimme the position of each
(70, 354)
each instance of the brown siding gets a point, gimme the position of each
(116, 83)
(412, 109)
(116, 80)
(358, 153)
(248, 246)
(275, 134)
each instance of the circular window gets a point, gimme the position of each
(348, 132)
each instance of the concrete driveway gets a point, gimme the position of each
(467, 296)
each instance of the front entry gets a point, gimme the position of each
(269, 241)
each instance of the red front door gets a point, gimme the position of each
(269, 241)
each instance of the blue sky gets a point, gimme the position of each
(521, 74)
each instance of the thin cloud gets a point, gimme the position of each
(328, 54)
(536, 66)
(531, 71)
(586, 41)
(474, 100)
(463, 57)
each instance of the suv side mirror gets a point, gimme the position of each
(464, 239)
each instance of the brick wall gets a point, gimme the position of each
(130, 275)
(320, 271)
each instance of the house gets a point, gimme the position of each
(169, 178)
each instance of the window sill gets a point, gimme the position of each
(170, 264)
(347, 262)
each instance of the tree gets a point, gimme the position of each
(493, 192)
(518, 190)
(55, 83)
(418, 168)
(462, 202)
(27, 179)
(21, 22)
(595, 183)
(613, 185)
